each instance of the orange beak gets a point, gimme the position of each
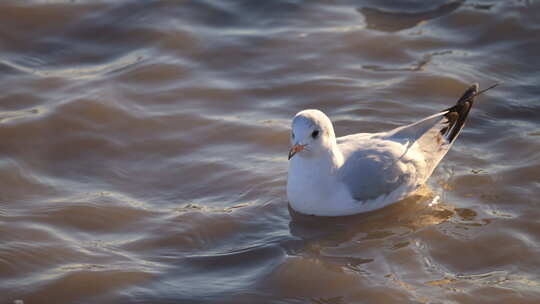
(295, 149)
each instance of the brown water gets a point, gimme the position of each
(143, 151)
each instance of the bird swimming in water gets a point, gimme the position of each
(362, 172)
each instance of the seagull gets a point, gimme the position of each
(363, 172)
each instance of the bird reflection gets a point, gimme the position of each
(411, 214)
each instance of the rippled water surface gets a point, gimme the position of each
(143, 151)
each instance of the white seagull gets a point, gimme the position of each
(362, 172)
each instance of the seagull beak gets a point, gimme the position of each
(295, 149)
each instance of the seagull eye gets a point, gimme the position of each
(315, 133)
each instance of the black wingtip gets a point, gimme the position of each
(469, 94)
(457, 115)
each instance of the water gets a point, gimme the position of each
(143, 151)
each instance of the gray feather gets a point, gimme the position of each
(374, 170)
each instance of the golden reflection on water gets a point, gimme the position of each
(423, 209)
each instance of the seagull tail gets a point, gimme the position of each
(457, 114)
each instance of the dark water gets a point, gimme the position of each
(143, 151)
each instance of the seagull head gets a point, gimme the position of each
(312, 134)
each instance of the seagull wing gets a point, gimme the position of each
(378, 164)
(434, 135)
(375, 166)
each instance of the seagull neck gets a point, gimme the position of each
(335, 156)
(323, 165)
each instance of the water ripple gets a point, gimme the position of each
(86, 72)
(143, 151)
